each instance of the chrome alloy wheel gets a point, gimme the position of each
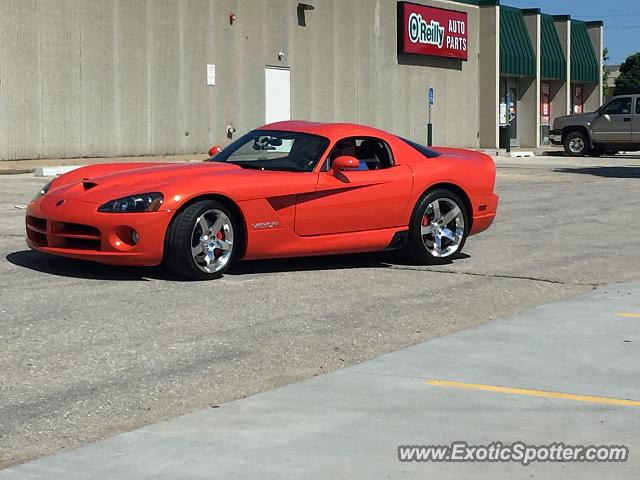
(576, 145)
(212, 241)
(442, 227)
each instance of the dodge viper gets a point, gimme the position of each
(282, 190)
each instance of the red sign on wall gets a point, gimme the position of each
(545, 103)
(431, 31)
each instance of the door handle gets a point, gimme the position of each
(627, 119)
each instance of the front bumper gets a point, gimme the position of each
(75, 229)
(555, 137)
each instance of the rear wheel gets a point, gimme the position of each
(200, 241)
(576, 144)
(438, 228)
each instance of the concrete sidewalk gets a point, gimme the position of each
(30, 166)
(348, 424)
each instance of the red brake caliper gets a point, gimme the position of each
(219, 236)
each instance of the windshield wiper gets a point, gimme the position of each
(246, 165)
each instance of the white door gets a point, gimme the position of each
(277, 94)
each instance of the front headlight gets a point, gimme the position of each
(42, 191)
(143, 202)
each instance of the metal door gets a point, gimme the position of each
(277, 94)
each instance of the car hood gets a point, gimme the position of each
(576, 118)
(101, 183)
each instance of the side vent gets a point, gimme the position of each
(89, 185)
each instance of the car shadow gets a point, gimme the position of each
(67, 267)
(561, 153)
(301, 264)
(607, 172)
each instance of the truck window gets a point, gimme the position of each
(618, 106)
(638, 106)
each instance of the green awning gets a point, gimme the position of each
(584, 63)
(516, 52)
(552, 62)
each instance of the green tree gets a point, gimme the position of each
(629, 79)
(605, 72)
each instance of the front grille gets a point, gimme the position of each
(73, 236)
(37, 230)
(74, 230)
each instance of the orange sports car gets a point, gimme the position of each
(283, 190)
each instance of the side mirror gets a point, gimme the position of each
(213, 151)
(344, 162)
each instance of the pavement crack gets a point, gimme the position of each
(498, 275)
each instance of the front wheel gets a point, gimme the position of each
(438, 228)
(576, 144)
(200, 242)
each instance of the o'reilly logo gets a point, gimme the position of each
(422, 32)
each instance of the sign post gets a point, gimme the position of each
(429, 124)
(507, 129)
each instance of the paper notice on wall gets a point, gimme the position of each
(503, 114)
(211, 74)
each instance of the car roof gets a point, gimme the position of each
(329, 130)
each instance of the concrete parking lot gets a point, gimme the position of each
(87, 351)
(552, 375)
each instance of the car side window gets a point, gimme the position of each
(618, 106)
(373, 153)
(638, 106)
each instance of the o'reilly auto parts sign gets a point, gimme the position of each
(431, 31)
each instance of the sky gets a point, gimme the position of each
(621, 20)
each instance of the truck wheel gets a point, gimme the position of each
(576, 144)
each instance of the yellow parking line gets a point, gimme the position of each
(534, 393)
(628, 315)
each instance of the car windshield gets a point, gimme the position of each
(275, 150)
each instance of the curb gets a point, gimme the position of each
(54, 171)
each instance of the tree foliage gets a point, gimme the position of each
(629, 79)
(605, 72)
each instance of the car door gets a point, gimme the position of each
(355, 200)
(613, 124)
(635, 128)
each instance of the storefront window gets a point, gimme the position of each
(545, 112)
(577, 99)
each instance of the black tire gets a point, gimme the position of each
(576, 144)
(183, 231)
(416, 248)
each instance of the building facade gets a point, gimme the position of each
(83, 78)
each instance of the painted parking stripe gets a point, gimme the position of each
(628, 315)
(534, 393)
